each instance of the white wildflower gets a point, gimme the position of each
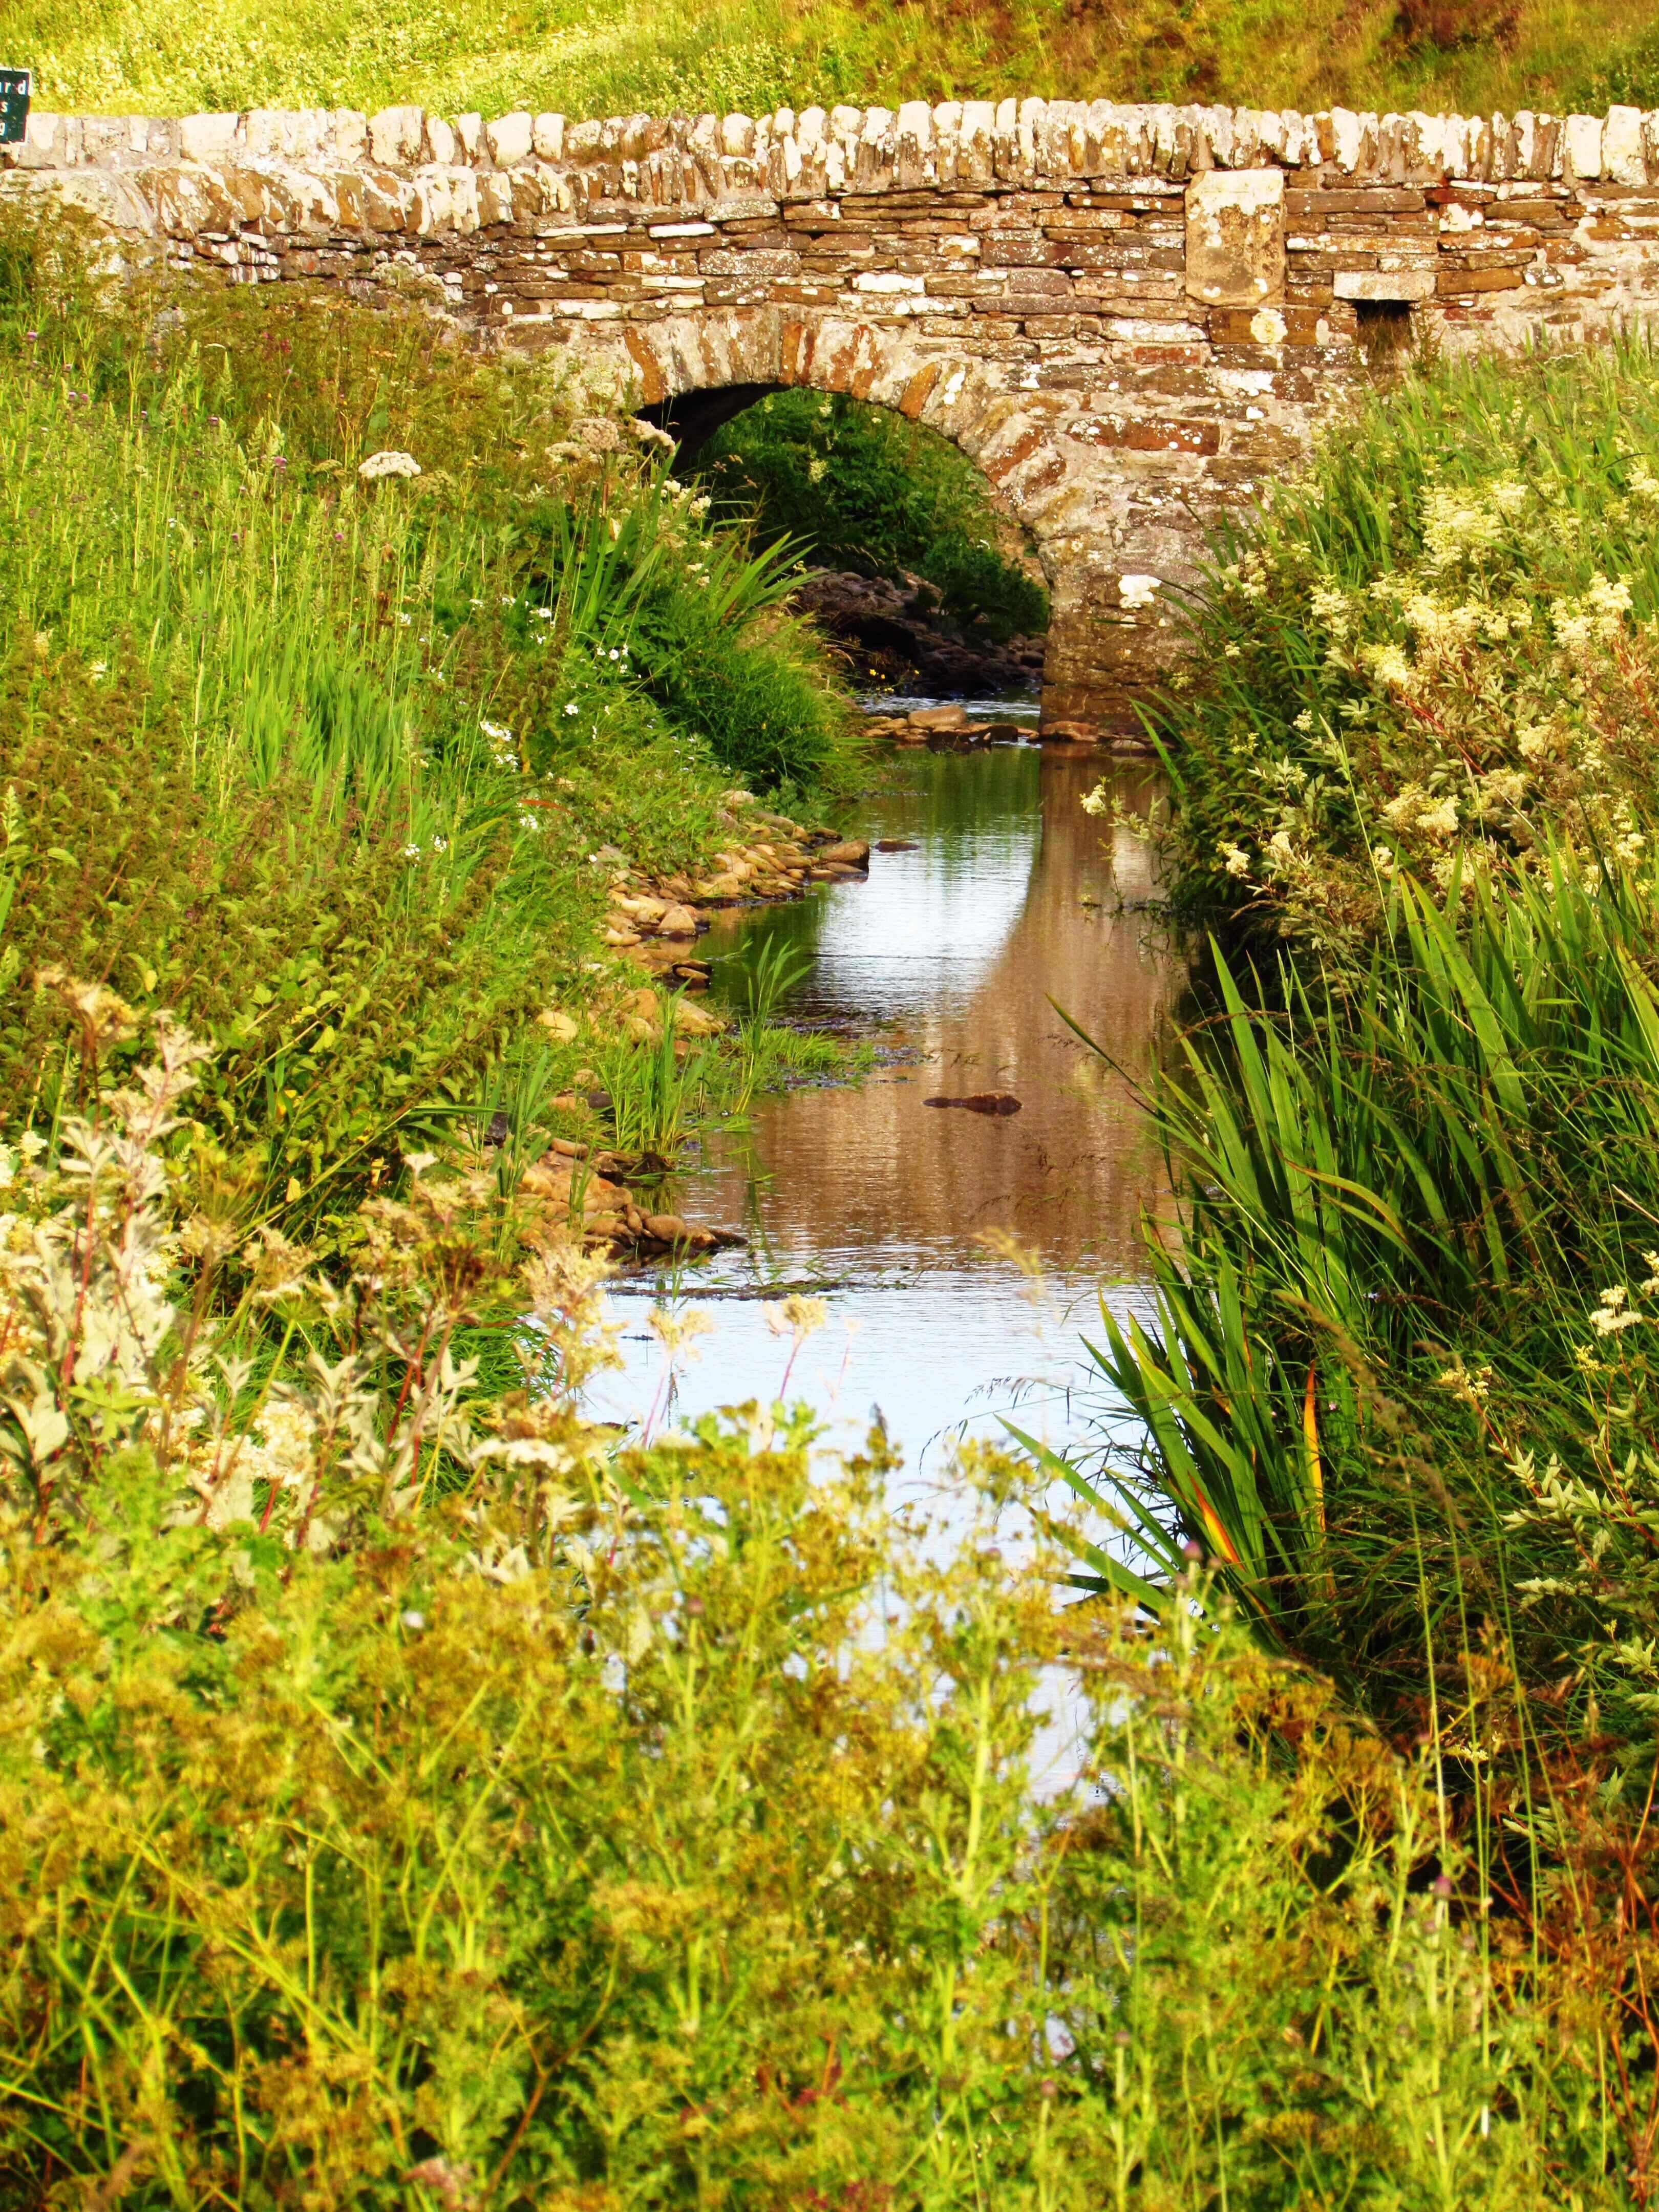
(1458, 524)
(379, 466)
(1329, 607)
(1614, 1313)
(1390, 667)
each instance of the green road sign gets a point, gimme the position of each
(14, 86)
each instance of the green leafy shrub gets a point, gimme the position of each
(1436, 653)
(866, 492)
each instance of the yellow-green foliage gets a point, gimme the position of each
(414, 1803)
(599, 58)
(1438, 651)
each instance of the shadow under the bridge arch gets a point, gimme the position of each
(691, 418)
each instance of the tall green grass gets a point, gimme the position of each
(320, 762)
(1471, 56)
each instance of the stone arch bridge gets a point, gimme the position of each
(1132, 317)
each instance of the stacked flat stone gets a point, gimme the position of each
(1132, 317)
(666, 162)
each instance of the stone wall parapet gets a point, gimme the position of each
(675, 160)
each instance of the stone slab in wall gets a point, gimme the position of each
(1236, 237)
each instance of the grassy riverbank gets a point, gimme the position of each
(341, 771)
(1469, 56)
(1401, 1386)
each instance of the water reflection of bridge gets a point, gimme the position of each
(1013, 900)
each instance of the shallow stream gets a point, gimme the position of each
(960, 1255)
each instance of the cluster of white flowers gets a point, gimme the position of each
(1330, 606)
(1503, 787)
(502, 750)
(1459, 525)
(1597, 618)
(1613, 1312)
(1414, 808)
(1443, 626)
(1390, 668)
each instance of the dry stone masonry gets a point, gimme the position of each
(1132, 317)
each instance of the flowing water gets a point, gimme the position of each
(960, 1255)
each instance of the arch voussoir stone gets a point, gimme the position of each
(1133, 318)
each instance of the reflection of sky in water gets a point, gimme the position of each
(942, 1356)
(927, 929)
(950, 955)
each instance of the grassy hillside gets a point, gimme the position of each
(599, 57)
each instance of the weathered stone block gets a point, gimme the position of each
(394, 135)
(510, 139)
(1384, 284)
(1584, 147)
(201, 137)
(1622, 156)
(1235, 237)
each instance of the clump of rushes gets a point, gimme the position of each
(412, 1801)
(324, 762)
(1436, 653)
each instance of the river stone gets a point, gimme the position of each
(980, 1102)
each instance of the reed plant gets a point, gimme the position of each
(655, 1087)
(769, 970)
(1398, 1361)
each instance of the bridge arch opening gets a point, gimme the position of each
(926, 581)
